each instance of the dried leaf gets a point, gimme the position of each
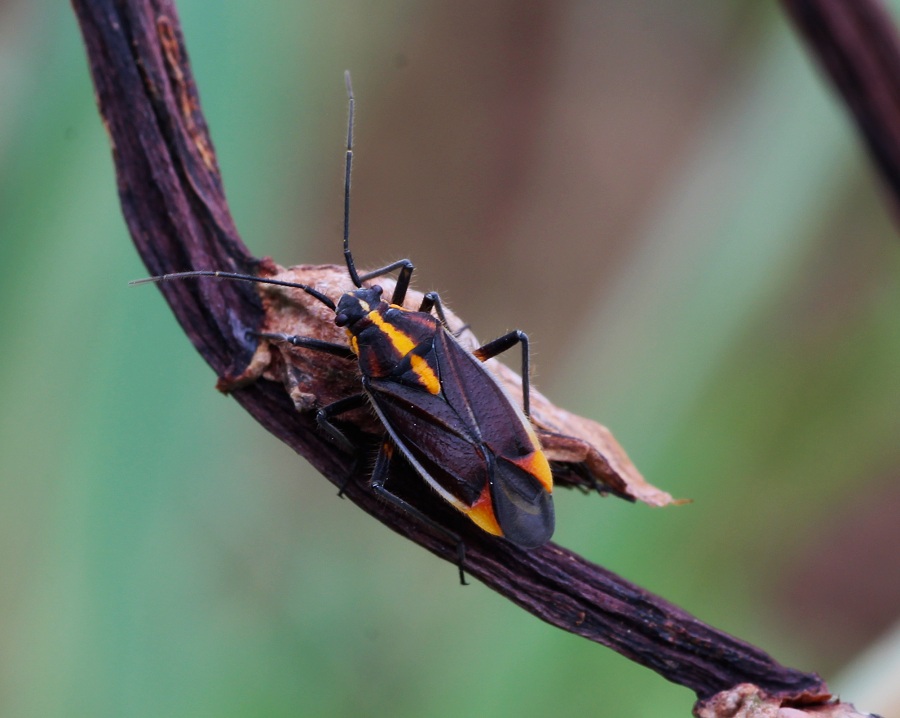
(584, 453)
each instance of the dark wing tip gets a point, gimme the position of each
(523, 507)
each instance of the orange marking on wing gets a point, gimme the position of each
(482, 513)
(537, 465)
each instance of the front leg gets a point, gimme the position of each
(338, 350)
(400, 288)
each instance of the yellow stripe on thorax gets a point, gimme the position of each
(403, 345)
(400, 341)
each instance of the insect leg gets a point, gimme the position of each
(500, 345)
(339, 350)
(432, 300)
(406, 269)
(341, 406)
(324, 415)
(379, 477)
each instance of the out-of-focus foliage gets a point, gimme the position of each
(664, 195)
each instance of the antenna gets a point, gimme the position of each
(241, 277)
(348, 167)
(348, 257)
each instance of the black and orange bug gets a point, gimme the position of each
(442, 411)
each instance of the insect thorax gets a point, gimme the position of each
(386, 337)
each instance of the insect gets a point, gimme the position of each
(442, 412)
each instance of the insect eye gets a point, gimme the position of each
(341, 319)
(377, 289)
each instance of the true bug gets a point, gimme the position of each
(441, 410)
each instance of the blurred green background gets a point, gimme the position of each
(665, 195)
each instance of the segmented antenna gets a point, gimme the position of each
(351, 267)
(241, 277)
(348, 257)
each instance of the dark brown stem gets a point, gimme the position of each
(858, 47)
(175, 208)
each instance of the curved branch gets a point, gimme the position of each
(174, 205)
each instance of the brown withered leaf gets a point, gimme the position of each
(584, 454)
